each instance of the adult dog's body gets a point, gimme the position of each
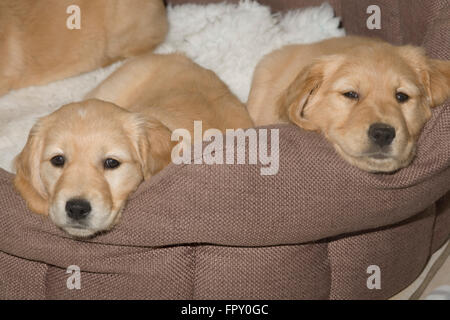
(369, 98)
(81, 162)
(37, 47)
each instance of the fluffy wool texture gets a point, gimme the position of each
(229, 39)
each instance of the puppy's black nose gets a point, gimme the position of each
(78, 209)
(381, 134)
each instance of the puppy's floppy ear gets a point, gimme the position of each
(434, 74)
(294, 101)
(437, 81)
(27, 164)
(152, 142)
(160, 146)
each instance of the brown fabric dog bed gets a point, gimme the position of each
(226, 232)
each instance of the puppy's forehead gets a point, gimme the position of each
(90, 108)
(88, 124)
(88, 115)
(375, 68)
(381, 58)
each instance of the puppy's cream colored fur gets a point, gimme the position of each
(305, 85)
(36, 47)
(144, 101)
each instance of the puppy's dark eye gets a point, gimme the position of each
(111, 163)
(58, 161)
(401, 97)
(351, 95)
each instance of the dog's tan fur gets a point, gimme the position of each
(36, 47)
(156, 94)
(304, 84)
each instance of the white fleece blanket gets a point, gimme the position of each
(226, 38)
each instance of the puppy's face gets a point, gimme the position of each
(82, 162)
(371, 104)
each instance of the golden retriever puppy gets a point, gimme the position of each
(38, 47)
(369, 98)
(81, 162)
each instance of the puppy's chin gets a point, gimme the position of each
(385, 164)
(80, 232)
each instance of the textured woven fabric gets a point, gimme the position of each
(329, 269)
(315, 195)
(226, 232)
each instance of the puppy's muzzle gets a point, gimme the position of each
(381, 134)
(78, 209)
